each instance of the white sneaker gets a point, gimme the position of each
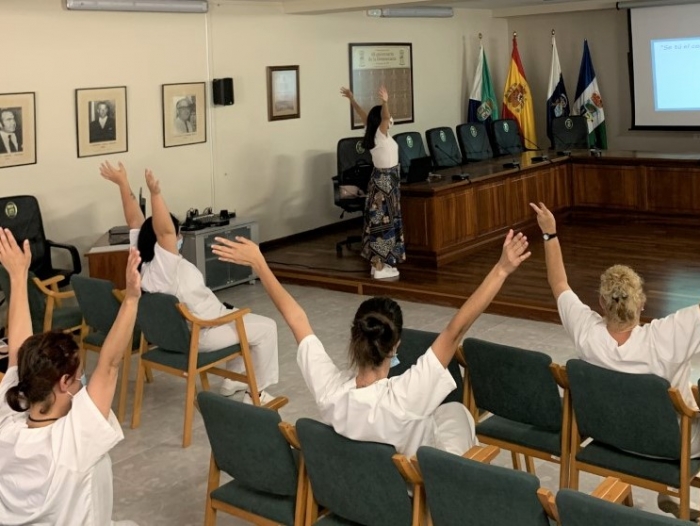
(231, 387)
(265, 398)
(386, 272)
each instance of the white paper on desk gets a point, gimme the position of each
(108, 248)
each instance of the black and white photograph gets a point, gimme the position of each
(101, 121)
(184, 114)
(17, 129)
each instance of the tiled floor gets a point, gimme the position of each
(156, 482)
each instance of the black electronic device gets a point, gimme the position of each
(460, 177)
(419, 170)
(222, 91)
(512, 164)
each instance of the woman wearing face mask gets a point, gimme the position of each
(363, 403)
(382, 237)
(164, 270)
(55, 435)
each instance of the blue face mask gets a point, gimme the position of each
(179, 244)
(83, 380)
(394, 361)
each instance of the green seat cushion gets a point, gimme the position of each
(66, 317)
(521, 434)
(274, 507)
(98, 338)
(179, 360)
(335, 520)
(667, 472)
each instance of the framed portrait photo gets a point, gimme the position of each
(283, 93)
(184, 114)
(375, 65)
(17, 129)
(100, 115)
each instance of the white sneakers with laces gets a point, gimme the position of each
(231, 387)
(385, 272)
(265, 397)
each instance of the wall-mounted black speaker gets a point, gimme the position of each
(222, 91)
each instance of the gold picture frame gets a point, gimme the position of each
(101, 121)
(283, 93)
(184, 114)
(17, 129)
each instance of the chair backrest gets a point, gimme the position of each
(351, 153)
(443, 147)
(462, 491)
(355, 480)
(96, 301)
(474, 141)
(506, 137)
(410, 147)
(37, 299)
(21, 214)
(632, 412)
(247, 444)
(578, 509)
(570, 133)
(513, 383)
(414, 343)
(162, 324)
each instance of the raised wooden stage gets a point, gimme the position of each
(642, 210)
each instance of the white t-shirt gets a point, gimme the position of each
(172, 274)
(385, 153)
(663, 347)
(396, 411)
(58, 475)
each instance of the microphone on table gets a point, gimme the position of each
(537, 158)
(458, 163)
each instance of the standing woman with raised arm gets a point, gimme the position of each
(382, 236)
(363, 403)
(55, 435)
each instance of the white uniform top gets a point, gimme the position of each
(58, 475)
(663, 347)
(385, 153)
(172, 274)
(396, 411)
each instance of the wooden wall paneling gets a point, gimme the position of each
(415, 214)
(491, 207)
(614, 186)
(520, 191)
(455, 218)
(673, 190)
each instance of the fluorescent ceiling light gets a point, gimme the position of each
(163, 6)
(412, 12)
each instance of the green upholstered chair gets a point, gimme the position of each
(168, 345)
(410, 147)
(474, 141)
(525, 414)
(466, 492)
(625, 414)
(579, 509)
(506, 137)
(45, 304)
(99, 303)
(269, 484)
(357, 482)
(443, 147)
(414, 343)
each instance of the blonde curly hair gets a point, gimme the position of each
(622, 295)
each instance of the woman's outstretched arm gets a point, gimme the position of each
(556, 272)
(162, 222)
(345, 92)
(132, 211)
(16, 261)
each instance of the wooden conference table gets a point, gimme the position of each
(444, 219)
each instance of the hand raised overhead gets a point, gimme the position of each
(152, 183)
(115, 174)
(545, 218)
(14, 258)
(514, 252)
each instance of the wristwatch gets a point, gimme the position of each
(547, 237)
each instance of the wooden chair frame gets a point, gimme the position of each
(686, 481)
(193, 371)
(516, 449)
(54, 297)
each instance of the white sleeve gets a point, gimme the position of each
(321, 375)
(134, 237)
(84, 435)
(576, 317)
(10, 379)
(423, 387)
(678, 333)
(161, 272)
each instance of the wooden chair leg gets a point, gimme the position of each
(516, 460)
(213, 483)
(530, 465)
(124, 384)
(311, 506)
(189, 412)
(138, 395)
(629, 500)
(149, 374)
(205, 381)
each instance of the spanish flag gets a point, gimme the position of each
(517, 100)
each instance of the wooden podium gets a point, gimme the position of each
(108, 262)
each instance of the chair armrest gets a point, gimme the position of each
(484, 454)
(223, 320)
(612, 490)
(408, 469)
(289, 432)
(696, 393)
(52, 281)
(560, 376)
(459, 356)
(548, 504)
(47, 291)
(680, 405)
(77, 266)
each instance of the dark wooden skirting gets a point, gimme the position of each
(334, 228)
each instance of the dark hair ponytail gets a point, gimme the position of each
(375, 331)
(42, 361)
(146, 243)
(374, 119)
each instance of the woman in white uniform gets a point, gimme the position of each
(55, 435)
(164, 270)
(363, 403)
(616, 340)
(382, 237)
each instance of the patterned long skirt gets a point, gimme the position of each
(382, 238)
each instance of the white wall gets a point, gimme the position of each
(279, 171)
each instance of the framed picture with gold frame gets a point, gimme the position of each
(184, 114)
(283, 93)
(17, 129)
(101, 122)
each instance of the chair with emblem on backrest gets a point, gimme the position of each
(570, 133)
(506, 137)
(474, 141)
(410, 147)
(443, 147)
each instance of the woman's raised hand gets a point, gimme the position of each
(241, 251)
(133, 276)
(116, 175)
(15, 259)
(152, 183)
(514, 252)
(345, 92)
(545, 218)
(383, 94)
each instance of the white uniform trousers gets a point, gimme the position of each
(456, 431)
